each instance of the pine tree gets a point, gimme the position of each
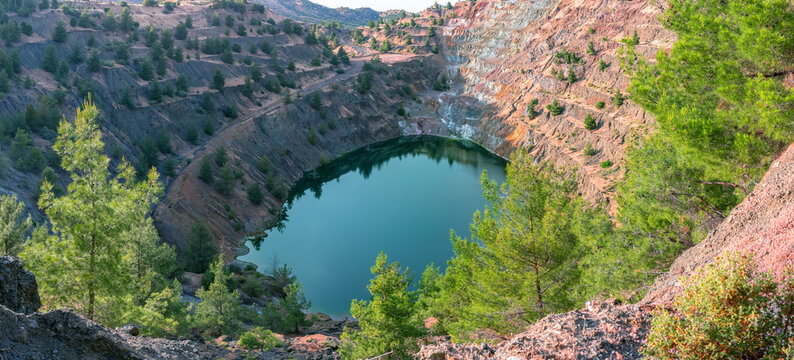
(342, 54)
(590, 122)
(4, 84)
(255, 194)
(13, 225)
(219, 307)
(387, 321)
(155, 96)
(218, 81)
(94, 65)
(315, 101)
(126, 23)
(126, 99)
(225, 181)
(59, 35)
(520, 263)
(256, 73)
(295, 306)
(88, 221)
(200, 248)
(205, 170)
(49, 62)
(248, 87)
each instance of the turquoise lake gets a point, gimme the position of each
(401, 196)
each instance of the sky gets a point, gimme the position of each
(379, 5)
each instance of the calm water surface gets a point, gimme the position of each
(401, 196)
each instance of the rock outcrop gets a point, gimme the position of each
(18, 287)
(602, 330)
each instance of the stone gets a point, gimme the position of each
(18, 287)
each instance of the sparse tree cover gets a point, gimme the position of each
(295, 305)
(205, 170)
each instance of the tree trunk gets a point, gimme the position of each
(91, 284)
(539, 291)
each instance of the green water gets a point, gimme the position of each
(401, 196)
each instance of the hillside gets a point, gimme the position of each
(638, 175)
(304, 10)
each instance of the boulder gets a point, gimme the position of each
(18, 287)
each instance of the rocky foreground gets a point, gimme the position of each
(28, 334)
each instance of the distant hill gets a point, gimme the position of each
(308, 11)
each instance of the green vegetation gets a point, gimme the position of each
(13, 225)
(531, 112)
(219, 308)
(115, 243)
(722, 112)
(567, 57)
(602, 65)
(200, 248)
(255, 194)
(387, 320)
(590, 123)
(260, 339)
(727, 310)
(599, 104)
(218, 81)
(441, 84)
(617, 98)
(588, 150)
(555, 108)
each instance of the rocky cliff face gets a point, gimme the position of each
(502, 53)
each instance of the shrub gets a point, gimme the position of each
(205, 170)
(264, 164)
(589, 122)
(555, 108)
(618, 98)
(599, 105)
(402, 112)
(260, 339)
(191, 134)
(230, 111)
(312, 136)
(606, 164)
(602, 65)
(588, 150)
(531, 112)
(727, 310)
(255, 195)
(252, 287)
